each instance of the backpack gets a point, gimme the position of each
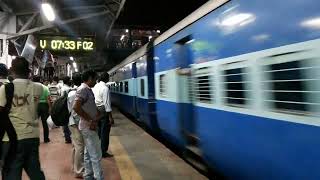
(59, 111)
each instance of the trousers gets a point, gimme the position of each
(77, 150)
(27, 158)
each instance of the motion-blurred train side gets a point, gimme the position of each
(238, 83)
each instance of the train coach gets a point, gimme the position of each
(237, 82)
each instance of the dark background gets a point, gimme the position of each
(158, 13)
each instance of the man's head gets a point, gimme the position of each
(55, 80)
(89, 77)
(3, 71)
(10, 78)
(66, 80)
(76, 78)
(104, 77)
(46, 82)
(36, 79)
(20, 67)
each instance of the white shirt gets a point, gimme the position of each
(3, 81)
(65, 89)
(23, 113)
(71, 98)
(102, 95)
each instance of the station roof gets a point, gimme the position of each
(73, 17)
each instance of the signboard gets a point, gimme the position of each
(65, 43)
(29, 48)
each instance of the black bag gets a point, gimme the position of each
(59, 111)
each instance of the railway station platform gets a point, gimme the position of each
(137, 156)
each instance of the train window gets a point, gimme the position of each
(289, 86)
(235, 86)
(1, 47)
(117, 88)
(142, 87)
(162, 86)
(126, 87)
(203, 86)
(121, 86)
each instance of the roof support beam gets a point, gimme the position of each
(110, 9)
(33, 30)
(118, 2)
(28, 23)
(63, 9)
(5, 7)
(115, 18)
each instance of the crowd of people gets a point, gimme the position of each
(24, 100)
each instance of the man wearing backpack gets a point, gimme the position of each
(85, 107)
(23, 116)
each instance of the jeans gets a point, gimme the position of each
(104, 130)
(77, 150)
(43, 112)
(92, 155)
(27, 158)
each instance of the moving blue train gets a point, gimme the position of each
(238, 82)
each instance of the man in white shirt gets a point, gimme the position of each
(66, 86)
(23, 116)
(76, 137)
(103, 102)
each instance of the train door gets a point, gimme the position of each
(184, 56)
(134, 89)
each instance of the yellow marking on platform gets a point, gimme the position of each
(126, 167)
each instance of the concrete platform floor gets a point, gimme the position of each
(137, 156)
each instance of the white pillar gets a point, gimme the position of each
(7, 26)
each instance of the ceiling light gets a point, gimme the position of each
(158, 31)
(48, 11)
(127, 30)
